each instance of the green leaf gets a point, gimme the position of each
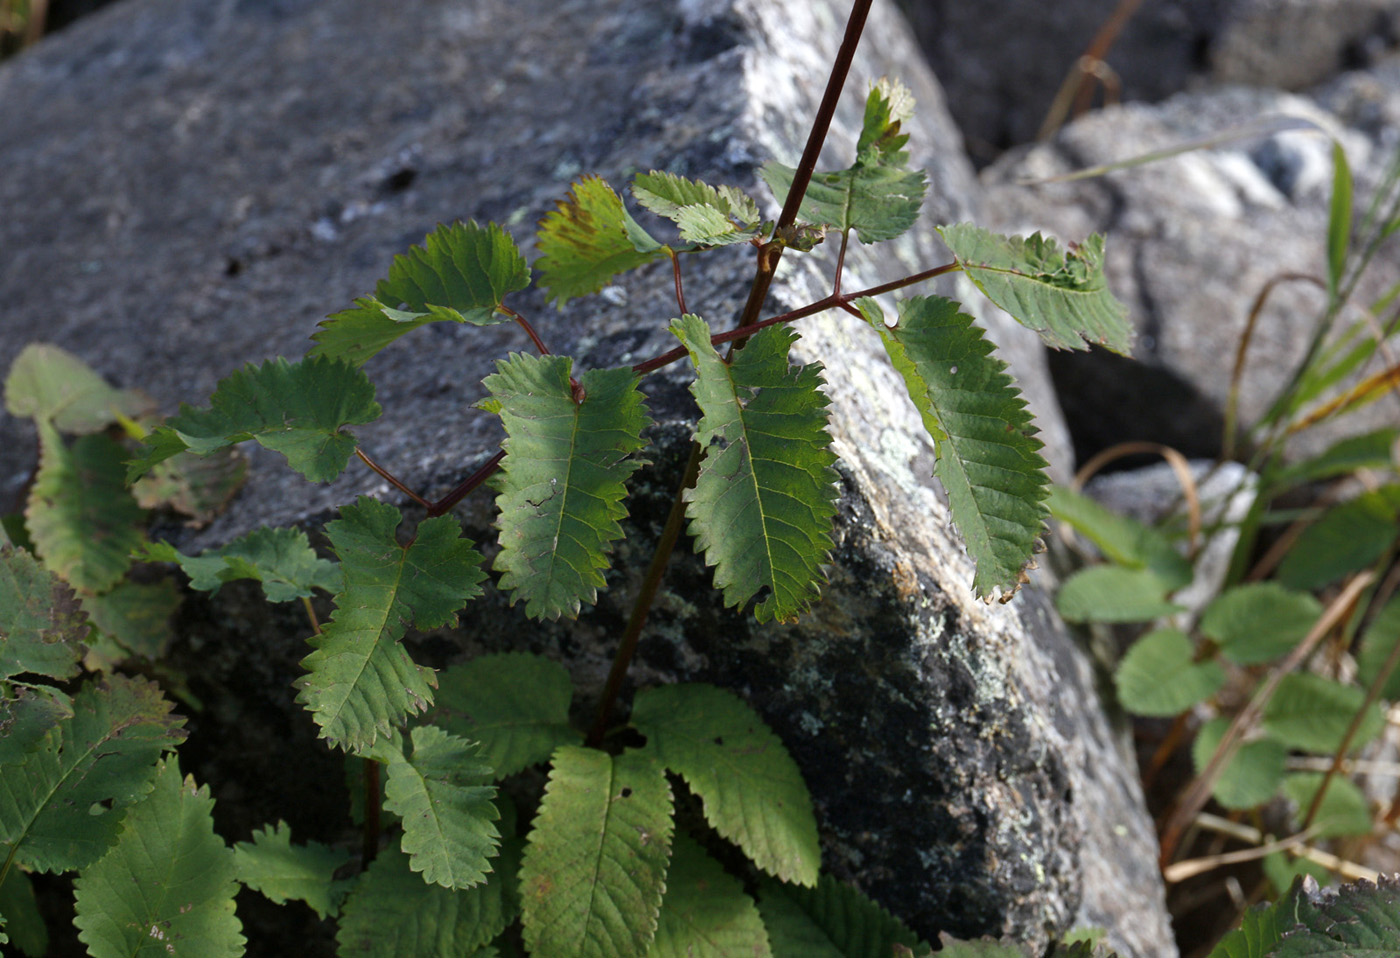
(197, 486)
(1348, 538)
(751, 789)
(706, 215)
(1372, 450)
(705, 913)
(1122, 539)
(362, 680)
(61, 805)
(1344, 810)
(1284, 870)
(587, 240)
(168, 886)
(988, 457)
(1260, 621)
(20, 916)
(878, 196)
(1108, 593)
(1160, 675)
(137, 615)
(1312, 713)
(284, 872)
(763, 505)
(1252, 775)
(1338, 220)
(1362, 921)
(281, 559)
(1061, 294)
(298, 409)
(42, 626)
(1376, 646)
(516, 705)
(950, 947)
(393, 913)
(444, 799)
(26, 717)
(562, 482)
(595, 864)
(83, 521)
(1263, 927)
(49, 384)
(462, 274)
(832, 920)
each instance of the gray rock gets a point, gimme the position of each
(1193, 241)
(1003, 63)
(194, 187)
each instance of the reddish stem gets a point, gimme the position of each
(525, 325)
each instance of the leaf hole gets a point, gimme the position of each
(719, 739)
(626, 793)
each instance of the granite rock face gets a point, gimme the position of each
(1001, 64)
(195, 186)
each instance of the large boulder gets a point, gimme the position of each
(192, 187)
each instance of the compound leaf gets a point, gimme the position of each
(444, 799)
(1349, 536)
(832, 920)
(1160, 675)
(594, 870)
(26, 717)
(988, 457)
(1122, 539)
(393, 913)
(516, 705)
(52, 385)
(362, 680)
(878, 196)
(562, 482)
(83, 522)
(1253, 773)
(1344, 810)
(706, 215)
(62, 804)
(167, 888)
(298, 409)
(462, 274)
(1262, 927)
(1259, 621)
(1362, 921)
(281, 559)
(197, 486)
(1061, 294)
(284, 872)
(136, 615)
(1111, 593)
(1313, 713)
(587, 240)
(762, 507)
(42, 626)
(750, 787)
(705, 913)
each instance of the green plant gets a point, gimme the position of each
(600, 867)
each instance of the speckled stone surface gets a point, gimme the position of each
(193, 186)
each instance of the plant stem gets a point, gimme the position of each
(525, 325)
(443, 505)
(676, 272)
(641, 606)
(391, 479)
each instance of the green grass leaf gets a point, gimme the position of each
(706, 215)
(1361, 921)
(763, 505)
(594, 869)
(167, 888)
(1160, 676)
(284, 872)
(281, 559)
(751, 789)
(298, 409)
(48, 384)
(705, 913)
(516, 705)
(444, 798)
(43, 625)
(393, 913)
(83, 521)
(361, 680)
(461, 274)
(1110, 593)
(1061, 294)
(1122, 539)
(878, 196)
(1370, 450)
(832, 920)
(1339, 219)
(1259, 621)
(988, 457)
(62, 803)
(1312, 713)
(1348, 538)
(1252, 775)
(561, 486)
(587, 240)
(136, 615)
